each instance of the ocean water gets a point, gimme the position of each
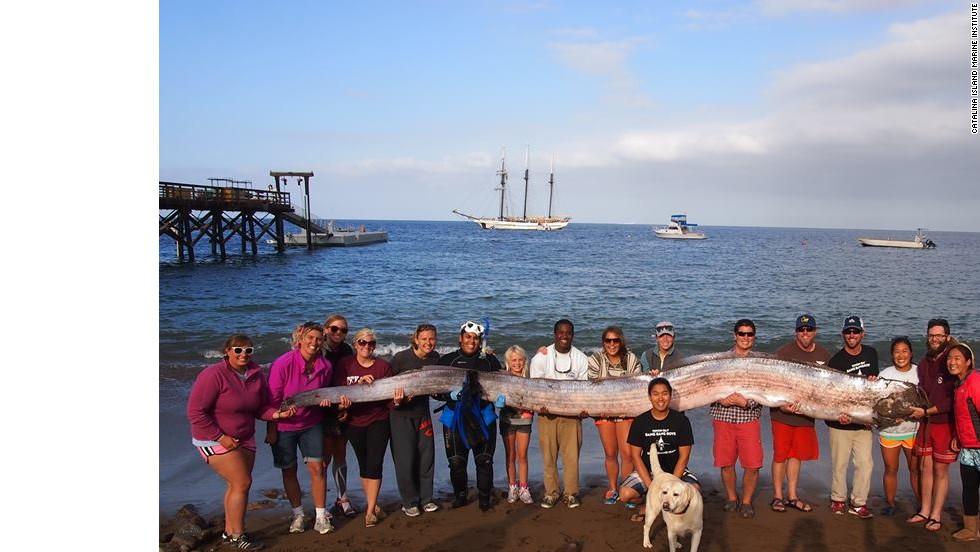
(596, 275)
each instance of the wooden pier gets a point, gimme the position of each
(189, 213)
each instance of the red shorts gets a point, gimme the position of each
(934, 440)
(738, 441)
(799, 442)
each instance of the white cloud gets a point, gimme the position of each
(784, 7)
(605, 59)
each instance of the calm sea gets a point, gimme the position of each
(596, 275)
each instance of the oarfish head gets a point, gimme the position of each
(897, 405)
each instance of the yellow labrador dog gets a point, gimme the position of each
(678, 501)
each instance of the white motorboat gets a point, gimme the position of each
(678, 229)
(524, 222)
(919, 241)
(335, 237)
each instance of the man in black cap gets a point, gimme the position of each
(661, 356)
(794, 439)
(849, 440)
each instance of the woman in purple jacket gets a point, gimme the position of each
(225, 400)
(301, 369)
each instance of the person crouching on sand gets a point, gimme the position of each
(671, 430)
(301, 369)
(225, 400)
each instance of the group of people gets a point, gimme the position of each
(228, 396)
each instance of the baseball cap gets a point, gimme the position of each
(806, 321)
(664, 328)
(472, 327)
(853, 322)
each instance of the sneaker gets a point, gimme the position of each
(430, 507)
(549, 501)
(322, 525)
(837, 507)
(244, 541)
(525, 495)
(345, 507)
(411, 511)
(298, 524)
(612, 497)
(512, 494)
(460, 500)
(861, 511)
(572, 501)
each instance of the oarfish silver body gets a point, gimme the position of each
(698, 381)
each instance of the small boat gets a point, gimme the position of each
(524, 222)
(678, 229)
(335, 237)
(919, 241)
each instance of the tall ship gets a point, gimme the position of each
(523, 222)
(679, 229)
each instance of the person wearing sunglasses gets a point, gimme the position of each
(849, 440)
(412, 444)
(560, 434)
(367, 426)
(664, 354)
(301, 369)
(615, 360)
(224, 402)
(458, 446)
(737, 434)
(935, 435)
(336, 348)
(794, 437)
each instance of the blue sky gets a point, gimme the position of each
(817, 113)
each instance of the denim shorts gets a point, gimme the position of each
(310, 441)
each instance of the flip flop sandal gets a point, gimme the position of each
(916, 518)
(730, 506)
(799, 505)
(637, 518)
(747, 511)
(778, 505)
(933, 524)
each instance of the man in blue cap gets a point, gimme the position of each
(794, 438)
(849, 440)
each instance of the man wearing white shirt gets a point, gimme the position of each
(560, 434)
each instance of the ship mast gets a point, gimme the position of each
(551, 185)
(527, 177)
(503, 181)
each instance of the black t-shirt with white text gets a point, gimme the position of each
(669, 434)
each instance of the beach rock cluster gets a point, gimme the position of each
(189, 530)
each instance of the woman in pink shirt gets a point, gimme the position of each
(225, 400)
(301, 369)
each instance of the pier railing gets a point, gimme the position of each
(200, 197)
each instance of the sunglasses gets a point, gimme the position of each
(745, 334)
(612, 340)
(851, 331)
(806, 329)
(338, 329)
(364, 343)
(240, 350)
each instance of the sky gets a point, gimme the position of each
(800, 113)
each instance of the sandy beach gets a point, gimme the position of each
(598, 527)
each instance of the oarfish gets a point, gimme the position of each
(698, 381)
